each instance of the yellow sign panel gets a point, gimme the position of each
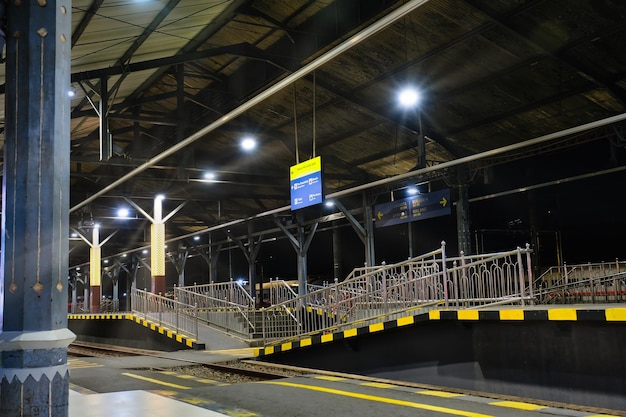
(305, 168)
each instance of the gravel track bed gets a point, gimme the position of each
(207, 372)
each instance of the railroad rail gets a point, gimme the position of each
(229, 371)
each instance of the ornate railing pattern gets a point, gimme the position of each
(418, 284)
(232, 292)
(383, 292)
(277, 291)
(180, 317)
(603, 282)
(567, 274)
(225, 305)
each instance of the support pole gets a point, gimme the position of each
(368, 219)
(34, 377)
(464, 235)
(301, 244)
(337, 273)
(157, 248)
(95, 272)
(106, 143)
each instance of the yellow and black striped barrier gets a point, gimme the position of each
(615, 314)
(179, 338)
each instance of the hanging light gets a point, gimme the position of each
(408, 97)
(248, 143)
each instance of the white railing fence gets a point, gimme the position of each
(179, 317)
(383, 292)
(405, 288)
(225, 305)
(490, 279)
(277, 291)
(592, 289)
(232, 292)
(566, 274)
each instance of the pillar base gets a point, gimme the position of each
(35, 376)
(94, 299)
(38, 392)
(158, 284)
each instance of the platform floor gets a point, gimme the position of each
(132, 404)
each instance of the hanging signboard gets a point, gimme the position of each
(418, 207)
(306, 183)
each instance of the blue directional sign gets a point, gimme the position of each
(306, 183)
(418, 207)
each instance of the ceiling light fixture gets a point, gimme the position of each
(408, 97)
(248, 143)
(123, 212)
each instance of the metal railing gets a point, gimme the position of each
(175, 315)
(225, 305)
(565, 274)
(383, 292)
(490, 279)
(593, 289)
(232, 292)
(405, 288)
(278, 291)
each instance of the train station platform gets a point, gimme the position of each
(130, 330)
(571, 354)
(598, 313)
(564, 353)
(140, 387)
(132, 404)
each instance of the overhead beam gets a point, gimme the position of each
(241, 49)
(193, 45)
(259, 98)
(148, 30)
(82, 25)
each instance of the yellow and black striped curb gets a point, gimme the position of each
(179, 338)
(102, 316)
(607, 315)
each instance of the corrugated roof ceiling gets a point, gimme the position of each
(492, 73)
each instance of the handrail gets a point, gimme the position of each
(384, 291)
(229, 315)
(231, 291)
(590, 289)
(181, 317)
(279, 290)
(557, 275)
(418, 284)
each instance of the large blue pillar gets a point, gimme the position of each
(34, 376)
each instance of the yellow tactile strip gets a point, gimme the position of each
(614, 314)
(184, 340)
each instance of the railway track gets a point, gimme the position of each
(84, 349)
(242, 371)
(234, 371)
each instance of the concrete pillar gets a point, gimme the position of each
(95, 272)
(34, 377)
(157, 254)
